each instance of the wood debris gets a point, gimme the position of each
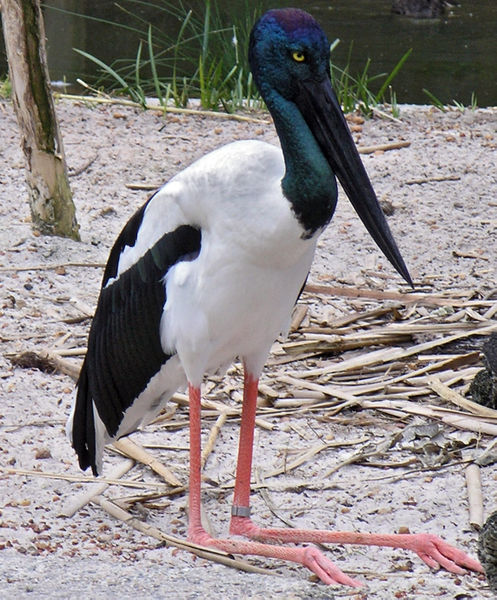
(475, 496)
(411, 356)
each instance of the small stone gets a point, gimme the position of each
(387, 207)
(107, 211)
(355, 128)
(43, 453)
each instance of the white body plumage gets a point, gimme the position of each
(233, 299)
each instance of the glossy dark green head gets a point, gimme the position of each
(289, 57)
(286, 47)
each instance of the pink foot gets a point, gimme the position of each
(436, 553)
(430, 548)
(309, 556)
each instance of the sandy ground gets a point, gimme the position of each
(440, 192)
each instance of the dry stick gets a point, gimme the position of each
(469, 254)
(72, 505)
(453, 360)
(298, 316)
(475, 496)
(349, 398)
(416, 472)
(267, 499)
(65, 366)
(219, 407)
(76, 172)
(382, 113)
(203, 552)
(432, 179)
(383, 147)
(70, 351)
(308, 454)
(491, 311)
(59, 343)
(390, 354)
(454, 418)
(138, 453)
(417, 328)
(52, 267)
(472, 314)
(45, 360)
(388, 335)
(209, 446)
(147, 187)
(363, 453)
(449, 378)
(347, 342)
(358, 316)
(296, 402)
(165, 109)
(330, 390)
(450, 395)
(86, 479)
(353, 292)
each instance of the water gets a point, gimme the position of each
(452, 57)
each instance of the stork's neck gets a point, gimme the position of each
(309, 183)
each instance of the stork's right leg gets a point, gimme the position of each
(430, 548)
(308, 556)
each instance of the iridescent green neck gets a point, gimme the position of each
(309, 183)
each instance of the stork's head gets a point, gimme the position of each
(289, 56)
(287, 46)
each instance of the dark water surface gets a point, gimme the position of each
(452, 56)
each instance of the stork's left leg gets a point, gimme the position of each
(310, 557)
(430, 548)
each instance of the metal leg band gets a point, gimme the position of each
(240, 511)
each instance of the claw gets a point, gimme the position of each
(432, 550)
(308, 556)
(436, 553)
(326, 570)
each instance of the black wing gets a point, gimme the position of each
(124, 349)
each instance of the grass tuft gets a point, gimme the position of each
(356, 92)
(5, 88)
(211, 46)
(460, 106)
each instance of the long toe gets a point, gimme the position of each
(435, 552)
(325, 569)
(308, 556)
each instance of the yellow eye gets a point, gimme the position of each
(298, 56)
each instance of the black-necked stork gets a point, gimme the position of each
(210, 269)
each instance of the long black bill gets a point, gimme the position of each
(321, 110)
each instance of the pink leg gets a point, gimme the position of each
(308, 556)
(430, 548)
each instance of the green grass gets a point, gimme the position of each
(214, 55)
(211, 45)
(473, 104)
(356, 92)
(5, 88)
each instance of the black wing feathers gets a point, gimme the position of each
(124, 348)
(127, 237)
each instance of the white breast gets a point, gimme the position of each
(237, 296)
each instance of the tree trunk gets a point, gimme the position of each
(50, 199)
